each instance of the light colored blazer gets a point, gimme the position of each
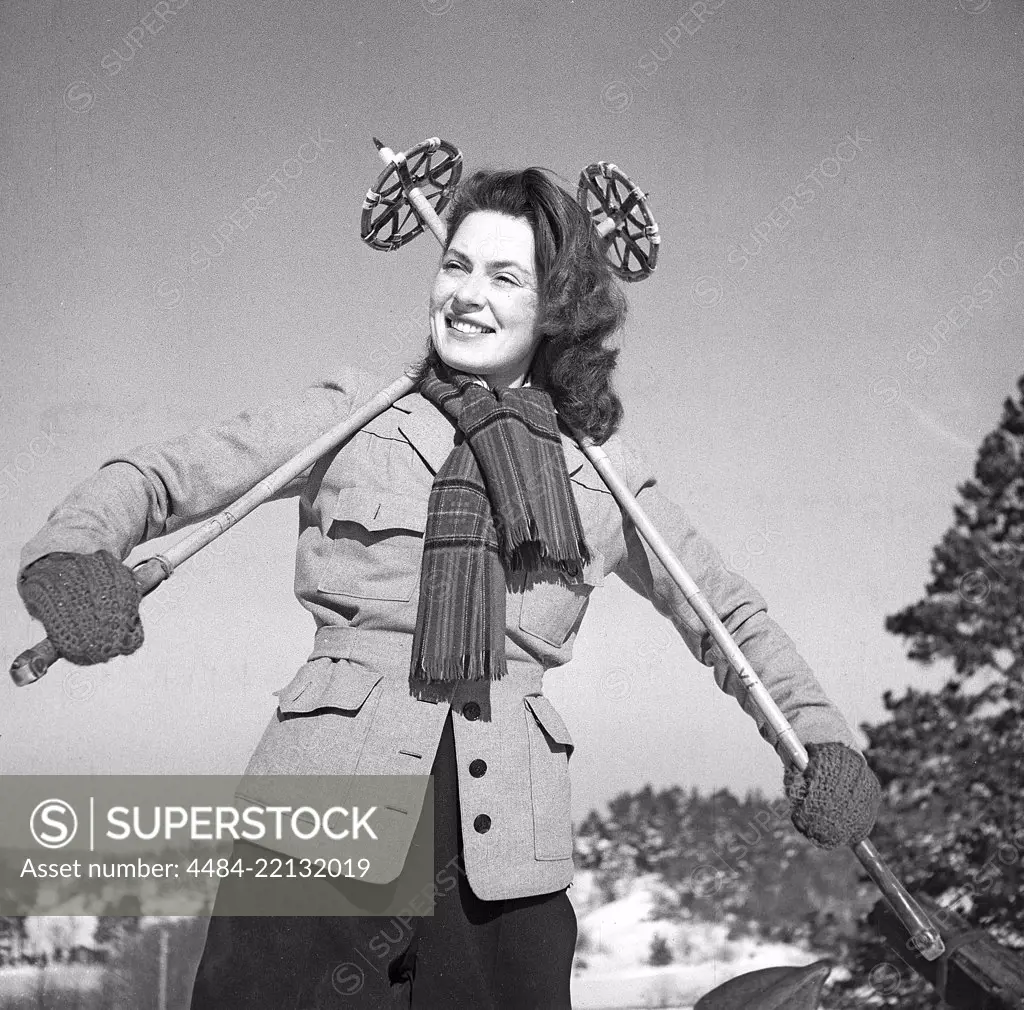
(350, 708)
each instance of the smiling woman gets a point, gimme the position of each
(447, 553)
(483, 307)
(530, 238)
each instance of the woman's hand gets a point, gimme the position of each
(88, 603)
(835, 799)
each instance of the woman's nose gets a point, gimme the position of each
(470, 291)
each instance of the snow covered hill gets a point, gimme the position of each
(612, 972)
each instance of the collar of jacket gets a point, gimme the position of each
(431, 432)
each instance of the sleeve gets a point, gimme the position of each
(741, 608)
(160, 488)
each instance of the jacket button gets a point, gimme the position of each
(482, 823)
(471, 710)
(477, 768)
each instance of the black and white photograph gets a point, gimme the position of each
(512, 506)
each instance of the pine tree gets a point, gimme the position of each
(973, 612)
(951, 760)
(12, 938)
(660, 952)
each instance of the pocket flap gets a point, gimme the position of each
(550, 720)
(380, 510)
(593, 574)
(327, 683)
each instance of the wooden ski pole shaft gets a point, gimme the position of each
(925, 937)
(34, 662)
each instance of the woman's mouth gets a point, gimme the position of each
(465, 326)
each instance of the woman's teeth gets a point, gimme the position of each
(463, 327)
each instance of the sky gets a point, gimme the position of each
(831, 330)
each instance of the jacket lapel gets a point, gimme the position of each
(432, 434)
(429, 431)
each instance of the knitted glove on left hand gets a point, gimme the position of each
(835, 799)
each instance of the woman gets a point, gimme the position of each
(447, 553)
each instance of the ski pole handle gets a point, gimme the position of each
(33, 663)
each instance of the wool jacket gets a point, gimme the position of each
(351, 708)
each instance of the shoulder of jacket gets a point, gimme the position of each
(629, 459)
(353, 382)
(625, 457)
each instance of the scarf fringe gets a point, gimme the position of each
(483, 665)
(530, 552)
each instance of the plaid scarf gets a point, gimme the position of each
(501, 502)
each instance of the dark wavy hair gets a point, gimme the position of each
(580, 304)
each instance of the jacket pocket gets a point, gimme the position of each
(327, 684)
(321, 724)
(552, 606)
(377, 546)
(550, 747)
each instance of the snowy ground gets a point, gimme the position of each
(611, 970)
(26, 986)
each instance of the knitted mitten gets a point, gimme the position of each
(835, 799)
(88, 603)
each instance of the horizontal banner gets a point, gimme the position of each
(216, 845)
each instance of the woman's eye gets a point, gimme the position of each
(452, 265)
(506, 279)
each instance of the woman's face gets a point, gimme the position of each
(483, 306)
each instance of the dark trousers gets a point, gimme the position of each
(472, 954)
